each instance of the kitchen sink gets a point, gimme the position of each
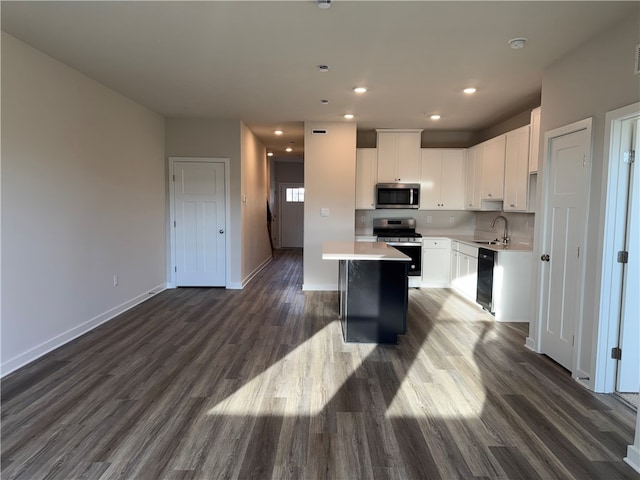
(487, 242)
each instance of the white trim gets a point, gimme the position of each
(530, 343)
(610, 241)
(633, 457)
(320, 287)
(539, 242)
(227, 200)
(256, 271)
(75, 332)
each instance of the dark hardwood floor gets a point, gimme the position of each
(255, 384)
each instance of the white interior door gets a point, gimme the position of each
(199, 213)
(628, 377)
(564, 235)
(291, 215)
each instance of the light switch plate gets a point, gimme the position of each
(324, 212)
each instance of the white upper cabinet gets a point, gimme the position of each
(516, 170)
(534, 144)
(442, 179)
(398, 156)
(366, 170)
(493, 156)
(473, 178)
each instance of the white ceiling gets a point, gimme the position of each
(257, 61)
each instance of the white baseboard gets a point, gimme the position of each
(253, 274)
(59, 340)
(320, 287)
(633, 457)
(530, 343)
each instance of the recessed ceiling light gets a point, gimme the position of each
(270, 154)
(469, 90)
(278, 132)
(348, 116)
(435, 117)
(289, 149)
(517, 43)
(360, 89)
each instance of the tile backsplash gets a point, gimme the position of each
(459, 222)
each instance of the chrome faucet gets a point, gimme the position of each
(505, 235)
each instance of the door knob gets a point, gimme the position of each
(544, 258)
(222, 231)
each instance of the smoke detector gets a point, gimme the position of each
(517, 43)
(324, 4)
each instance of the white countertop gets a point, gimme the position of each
(509, 247)
(469, 240)
(361, 251)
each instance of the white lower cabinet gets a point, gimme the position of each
(435, 262)
(511, 291)
(464, 269)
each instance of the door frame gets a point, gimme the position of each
(534, 343)
(171, 244)
(611, 239)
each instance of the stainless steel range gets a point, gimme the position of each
(401, 233)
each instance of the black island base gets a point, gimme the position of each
(373, 300)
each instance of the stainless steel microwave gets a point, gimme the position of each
(397, 195)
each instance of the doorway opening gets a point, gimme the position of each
(291, 196)
(619, 336)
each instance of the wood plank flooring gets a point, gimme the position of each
(258, 384)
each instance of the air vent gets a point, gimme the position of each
(317, 131)
(637, 69)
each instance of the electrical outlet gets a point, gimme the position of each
(115, 280)
(452, 220)
(429, 219)
(362, 219)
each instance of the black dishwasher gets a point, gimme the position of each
(484, 291)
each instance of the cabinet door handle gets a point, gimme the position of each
(512, 204)
(545, 258)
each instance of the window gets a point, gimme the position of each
(295, 194)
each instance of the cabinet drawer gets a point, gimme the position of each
(468, 250)
(435, 243)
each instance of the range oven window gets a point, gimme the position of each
(413, 250)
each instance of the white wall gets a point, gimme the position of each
(83, 199)
(256, 249)
(329, 182)
(594, 79)
(215, 139)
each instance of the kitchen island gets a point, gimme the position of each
(372, 290)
